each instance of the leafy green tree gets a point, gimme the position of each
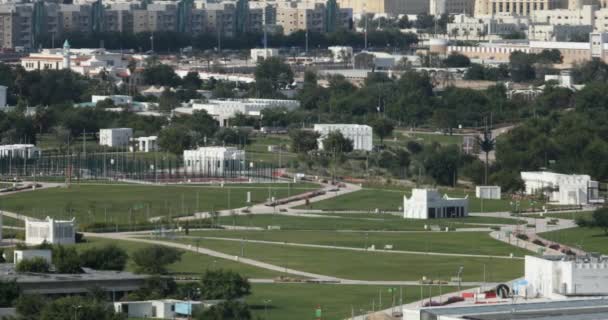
(192, 81)
(154, 259)
(414, 147)
(66, 260)
(456, 60)
(383, 128)
(9, 292)
(303, 141)
(29, 306)
(273, 74)
(522, 66)
(155, 287)
(335, 142)
(175, 139)
(229, 310)
(78, 308)
(486, 144)
(108, 257)
(600, 219)
(168, 101)
(223, 284)
(161, 75)
(35, 265)
(442, 164)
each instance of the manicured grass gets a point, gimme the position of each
(423, 138)
(355, 222)
(299, 301)
(125, 204)
(8, 221)
(448, 242)
(257, 150)
(565, 215)
(370, 265)
(191, 263)
(588, 239)
(369, 199)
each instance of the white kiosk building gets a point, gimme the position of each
(26, 151)
(214, 160)
(488, 192)
(145, 144)
(560, 188)
(361, 135)
(115, 137)
(558, 276)
(429, 204)
(50, 230)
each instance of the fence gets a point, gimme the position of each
(131, 166)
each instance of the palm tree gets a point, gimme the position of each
(486, 144)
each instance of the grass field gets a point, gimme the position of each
(565, 215)
(452, 242)
(369, 265)
(191, 263)
(124, 204)
(257, 150)
(8, 221)
(384, 199)
(383, 222)
(403, 136)
(588, 239)
(299, 301)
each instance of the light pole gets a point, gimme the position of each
(460, 269)
(76, 311)
(266, 302)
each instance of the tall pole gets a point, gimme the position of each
(365, 17)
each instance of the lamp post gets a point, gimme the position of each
(266, 302)
(460, 269)
(76, 311)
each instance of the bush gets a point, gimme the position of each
(495, 228)
(36, 265)
(568, 252)
(522, 236)
(555, 246)
(154, 259)
(538, 243)
(109, 257)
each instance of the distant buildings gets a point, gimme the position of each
(49, 230)
(215, 161)
(258, 55)
(161, 309)
(19, 255)
(115, 137)
(563, 189)
(361, 135)
(487, 192)
(223, 110)
(429, 204)
(26, 151)
(118, 100)
(145, 144)
(341, 54)
(391, 7)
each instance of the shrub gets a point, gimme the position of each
(568, 252)
(522, 236)
(495, 228)
(555, 246)
(109, 257)
(36, 265)
(538, 243)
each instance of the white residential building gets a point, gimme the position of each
(19, 255)
(27, 151)
(341, 54)
(117, 99)
(145, 144)
(560, 188)
(258, 55)
(115, 137)
(223, 110)
(429, 204)
(50, 230)
(214, 160)
(361, 135)
(157, 309)
(558, 276)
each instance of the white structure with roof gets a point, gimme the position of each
(429, 204)
(117, 99)
(20, 255)
(558, 276)
(223, 110)
(487, 192)
(162, 309)
(145, 144)
(263, 54)
(361, 135)
(564, 189)
(50, 230)
(214, 160)
(115, 137)
(27, 151)
(341, 54)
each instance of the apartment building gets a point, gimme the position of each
(390, 7)
(298, 16)
(516, 7)
(24, 25)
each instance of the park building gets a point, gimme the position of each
(429, 204)
(214, 161)
(115, 137)
(27, 151)
(49, 230)
(144, 144)
(117, 99)
(563, 189)
(258, 55)
(223, 110)
(360, 135)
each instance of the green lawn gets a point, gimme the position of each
(448, 242)
(355, 222)
(257, 150)
(191, 263)
(125, 204)
(299, 301)
(423, 138)
(369, 265)
(565, 215)
(588, 239)
(391, 199)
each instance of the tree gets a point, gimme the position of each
(66, 260)
(456, 60)
(155, 287)
(600, 219)
(9, 292)
(364, 60)
(168, 101)
(229, 310)
(303, 141)
(175, 139)
(486, 144)
(442, 164)
(220, 284)
(521, 66)
(335, 142)
(29, 306)
(78, 308)
(192, 81)
(35, 265)
(383, 128)
(108, 257)
(161, 75)
(154, 259)
(274, 73)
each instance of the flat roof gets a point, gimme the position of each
(7, 272)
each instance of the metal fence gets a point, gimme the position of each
(133, 166)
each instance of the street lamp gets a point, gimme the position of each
(266, 302)
(460, 269)
(76, 311)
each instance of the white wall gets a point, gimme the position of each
(115, 137)
(418, 205)
(487, 192)
(214, 160)
(361, 135)
(50, 230)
